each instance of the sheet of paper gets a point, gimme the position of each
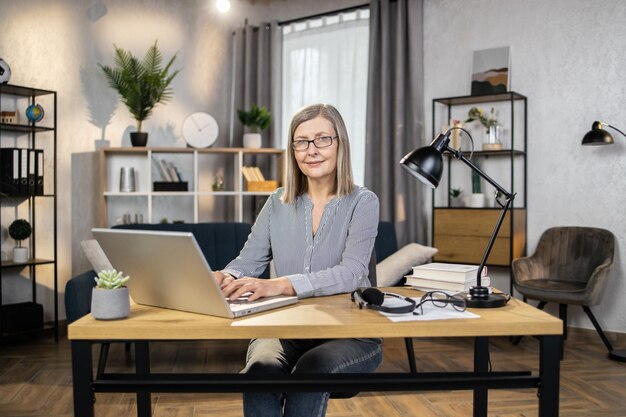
(430, 312)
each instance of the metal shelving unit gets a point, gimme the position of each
(13, 134)
(461, 233)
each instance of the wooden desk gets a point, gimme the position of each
(323, 317)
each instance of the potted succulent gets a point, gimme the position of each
(142, 84)
(20, 230)
(456, 199)
(257, 119)
(109, 298)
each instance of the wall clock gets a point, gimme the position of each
(200, 130)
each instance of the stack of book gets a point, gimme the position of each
(448, 277)
(255, 181)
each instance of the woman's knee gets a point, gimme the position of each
(341, 356)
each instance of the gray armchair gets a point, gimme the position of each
(571, 265)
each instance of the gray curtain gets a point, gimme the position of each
(256, 78)
(395, 114)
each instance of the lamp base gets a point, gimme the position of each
(479, 297)
(618, 355)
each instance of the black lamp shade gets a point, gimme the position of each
(425, 164)
(597, 136)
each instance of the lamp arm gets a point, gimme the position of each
(508, 197)
(613, 127)
(459, 155)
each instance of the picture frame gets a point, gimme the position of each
(491, 71)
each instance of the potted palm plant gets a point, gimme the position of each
(257, 119)
(109, 298)
(142, 84)
(20, 230)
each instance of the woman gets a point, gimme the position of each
(319, 230)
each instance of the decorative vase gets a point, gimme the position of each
(110, 304)
(477, 200)
(20, 255)
(252, 140)
(492, 139)
(138, 138)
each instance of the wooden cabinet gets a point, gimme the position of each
(462, 234)
(34, 148)
(216, 189)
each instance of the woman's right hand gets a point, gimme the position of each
(223, 279)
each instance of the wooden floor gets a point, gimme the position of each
(36, 380)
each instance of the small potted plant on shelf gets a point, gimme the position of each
(142, 84)
(257, 119)
(20, 230)
(109, 298)
(456, 199)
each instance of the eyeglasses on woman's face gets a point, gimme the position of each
(440, 299)
(319, 142)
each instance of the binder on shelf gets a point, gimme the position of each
(39, 172)
(32, 176)
(23, 171)
(9, 171)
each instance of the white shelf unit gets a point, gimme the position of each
(199, 167)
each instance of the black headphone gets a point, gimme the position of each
(373, 299)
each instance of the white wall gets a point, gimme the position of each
(568, 58)
(57, 45)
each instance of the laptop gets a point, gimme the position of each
(168, 270)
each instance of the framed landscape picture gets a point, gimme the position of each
(490, 71)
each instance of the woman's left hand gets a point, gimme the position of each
(258, 288)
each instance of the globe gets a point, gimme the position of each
(34, 112)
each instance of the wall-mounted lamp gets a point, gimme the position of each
(599, 136)
(426, 164)
(223, 6)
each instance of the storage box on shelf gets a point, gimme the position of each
(462, 234)
(30, 150)
(213, 176)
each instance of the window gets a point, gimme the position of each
(325, 60)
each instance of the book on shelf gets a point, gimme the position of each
(163, 172)
(446, 272)
(430, 284)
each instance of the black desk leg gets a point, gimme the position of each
(481, 364)
(82, 377)
(142, 367)
(549, 368)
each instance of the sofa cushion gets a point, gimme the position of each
(392, 269)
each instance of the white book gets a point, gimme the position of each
(446, 272)
(172, 171)
(429, 285)
(163, 170)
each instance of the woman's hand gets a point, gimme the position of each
(257, 288)
(223, 278)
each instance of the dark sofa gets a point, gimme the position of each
(219, 242)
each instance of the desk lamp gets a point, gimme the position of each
(599, 136)
(426, 164)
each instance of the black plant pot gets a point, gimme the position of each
(138, 138)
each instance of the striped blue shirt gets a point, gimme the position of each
(333, 261)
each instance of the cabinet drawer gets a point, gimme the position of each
(468, 222)
(470, 250)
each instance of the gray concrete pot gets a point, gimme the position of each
(110, 304)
